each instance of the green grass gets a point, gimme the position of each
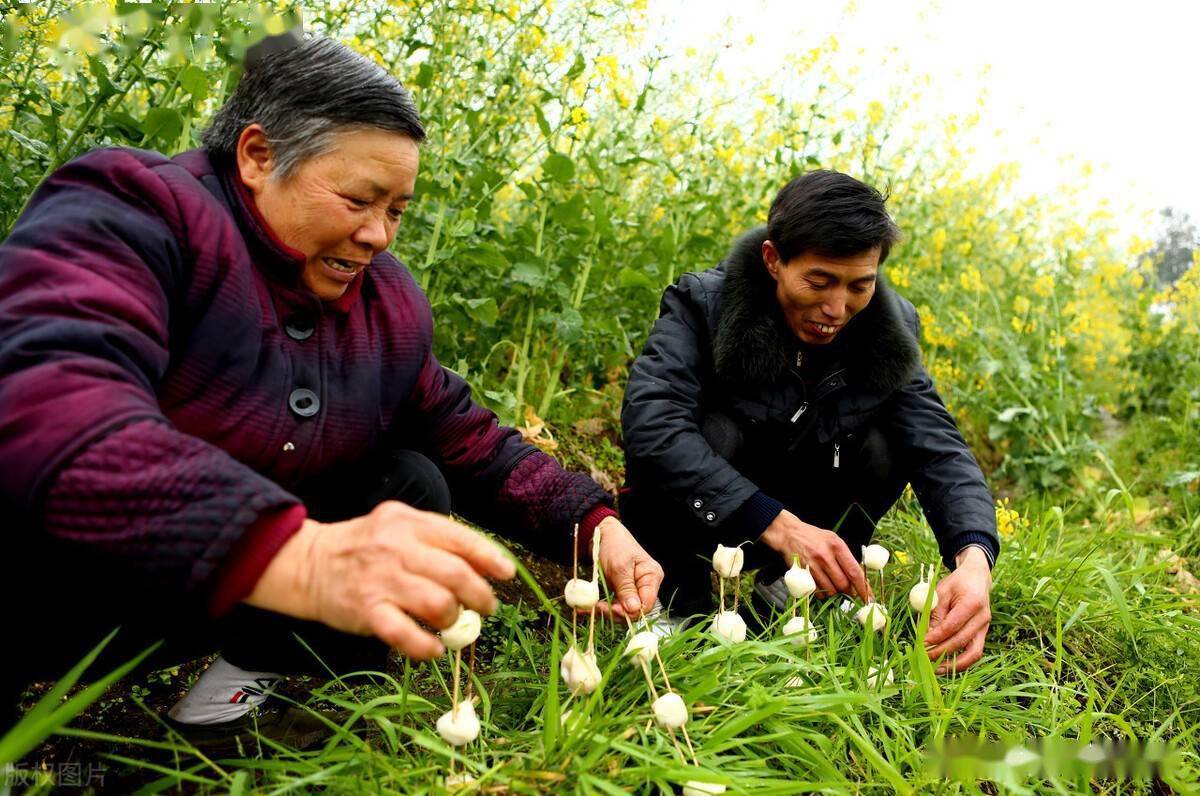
(1086, 642)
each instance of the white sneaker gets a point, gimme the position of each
(224, 693)
(775, 594)
(659, 622)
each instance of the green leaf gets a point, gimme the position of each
(526, 273)
(424, 76)
(121, 124)
(577, 67)
(503, 400)
(558, 167)
(487, 256)
(100, 72)
(551, 713)
(194, 81)
(567, 324)
(463, 226)
(542, 124)
(238, 785)
(631, 277)
(483, 310)
(529, 189)
(1118, 596)
(162, 124)
(570, 212)
(36, 147)
(1011, 413)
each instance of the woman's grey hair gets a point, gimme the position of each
(304, 95)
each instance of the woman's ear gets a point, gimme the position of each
(770, 257)
(255, 158)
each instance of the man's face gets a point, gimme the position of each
(340, 208)
(819, 295)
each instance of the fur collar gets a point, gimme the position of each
(754, 345)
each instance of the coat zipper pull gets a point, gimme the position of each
(837, 455)
(803, 408)
(799, 359)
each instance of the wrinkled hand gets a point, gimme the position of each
(375, 575)
(827, 557)
(959, 624)
(633, 576)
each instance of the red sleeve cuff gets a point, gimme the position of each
(246, 562)
(587, 527)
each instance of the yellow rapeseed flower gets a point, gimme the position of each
(1008, 520)
(970, 279)
(938, 239)
(1044, 285)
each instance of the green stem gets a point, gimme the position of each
(553, 376)
(559, 360)
(523, 363)
(225, 85)
(541, 232)
(807, 629)
(427, 268)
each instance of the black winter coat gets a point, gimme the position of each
(720, 344)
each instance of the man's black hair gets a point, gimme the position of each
(830, 214)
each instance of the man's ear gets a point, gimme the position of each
(255, 158)
(770, 257)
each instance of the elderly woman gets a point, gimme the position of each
(220, 417)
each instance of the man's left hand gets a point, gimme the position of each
(959, 624)
(632, 575)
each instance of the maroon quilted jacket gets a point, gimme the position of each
(167, 385)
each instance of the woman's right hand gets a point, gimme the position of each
(827, 557)
(375, 575)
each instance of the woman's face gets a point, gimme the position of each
(340, 208)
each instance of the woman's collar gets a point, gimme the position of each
(278, 260)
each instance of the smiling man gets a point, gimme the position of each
(780, 400)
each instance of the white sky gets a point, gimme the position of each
(1110, 83)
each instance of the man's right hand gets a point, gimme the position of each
(375, 575)
(831, 563)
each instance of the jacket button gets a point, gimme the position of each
(710, 516)
(299, 326)
(696, 504)
(304, 402)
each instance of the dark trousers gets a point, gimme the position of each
(849, 499)
(53, 625)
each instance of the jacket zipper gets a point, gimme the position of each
(800, 412)
(837, 455)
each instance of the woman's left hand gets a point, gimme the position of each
(632, 575)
